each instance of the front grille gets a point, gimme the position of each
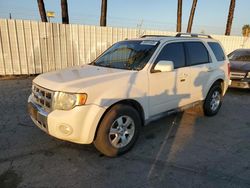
(42, 97)
(237, 75)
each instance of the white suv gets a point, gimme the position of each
(133, 82)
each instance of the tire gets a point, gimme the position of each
(213, 100)
(118, 130)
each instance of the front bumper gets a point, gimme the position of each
(76, 125)
(38, 116)
(240, 84)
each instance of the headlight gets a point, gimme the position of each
(67, 101)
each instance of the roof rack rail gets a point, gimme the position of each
(144, 36)
(192, 35)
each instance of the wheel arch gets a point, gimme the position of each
(131, 102)
(217, 81)
(207, 109)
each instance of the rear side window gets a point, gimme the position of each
(197, 53)
(217, 50)
(173, 52)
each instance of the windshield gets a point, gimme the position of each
(129, 55)
(243, 55)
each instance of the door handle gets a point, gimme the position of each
(183, 77)
(183, 80)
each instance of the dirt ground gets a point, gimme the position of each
(181, 150)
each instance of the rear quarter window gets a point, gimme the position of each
(217, 50)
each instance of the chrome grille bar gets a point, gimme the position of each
(42, 97)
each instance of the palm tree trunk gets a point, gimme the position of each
(230, 17)
(65, 14)
(42, 11)
(179, 15)
(191, 16)
(103, 19)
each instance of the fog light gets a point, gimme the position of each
(65, 129)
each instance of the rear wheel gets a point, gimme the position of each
(213, 100)
(118, 130)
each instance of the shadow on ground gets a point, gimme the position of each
(182, 150)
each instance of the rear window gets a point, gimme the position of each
(217, 50)
(240, 55)
(197, 53)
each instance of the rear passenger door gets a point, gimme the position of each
(199, 61)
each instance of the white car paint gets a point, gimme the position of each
(155, 92)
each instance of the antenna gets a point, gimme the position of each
(139, 28)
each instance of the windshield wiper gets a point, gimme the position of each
(103, 64)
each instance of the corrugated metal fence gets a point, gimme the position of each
(31, 47)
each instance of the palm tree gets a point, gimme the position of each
(65, 14)
(42, 11)
(103, 18)
(246, 30)
(191, 17)
(179, 15)
(230, 17)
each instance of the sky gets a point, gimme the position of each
(210, 16)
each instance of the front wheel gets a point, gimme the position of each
(213, 100)
(118, 130)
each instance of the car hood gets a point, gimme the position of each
(75, 79)
(242, 66)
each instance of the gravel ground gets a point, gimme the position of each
(181, 150)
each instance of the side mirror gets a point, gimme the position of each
(164, 66)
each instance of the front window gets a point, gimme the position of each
(240, 55)
(129, 55)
